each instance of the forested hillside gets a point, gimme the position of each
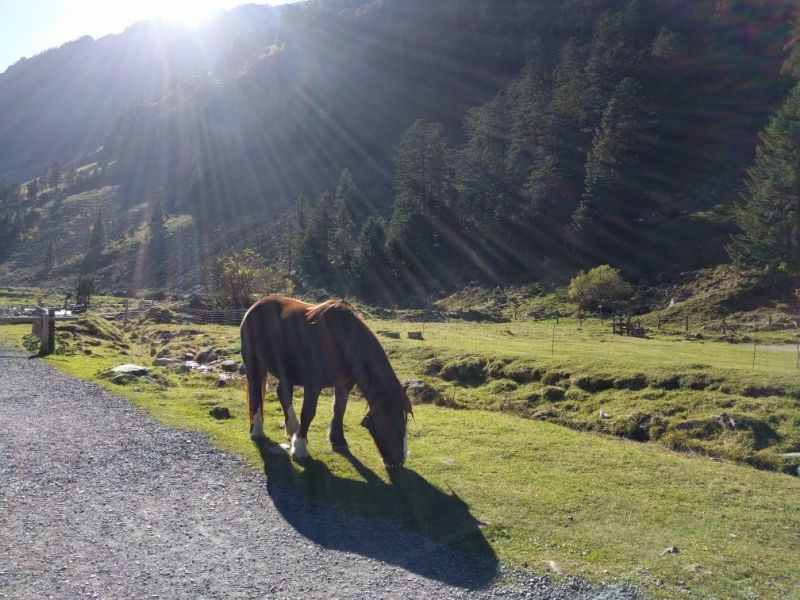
(460, 140)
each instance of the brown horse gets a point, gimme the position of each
(316, 347)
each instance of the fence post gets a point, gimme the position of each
(45, 347)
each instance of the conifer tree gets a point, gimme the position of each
(770, 215)
(50, 255)
(568, 83)
(615, 193)
(97, 237)
(370, 266)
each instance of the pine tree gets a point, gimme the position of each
(422, 183)
(568, 83)
(314, 251)
(611, 58)
(370, 266)
(50, 255)
(157, 247)
(97, 236)
(770, 215)
(615, 199)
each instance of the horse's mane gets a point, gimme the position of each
(362, 350)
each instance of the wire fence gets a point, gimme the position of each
(768, 344)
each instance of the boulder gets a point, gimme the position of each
(420, 392)
(130, 370)
(206, 355)
(163, 361)
(220, 412)
(229, 366)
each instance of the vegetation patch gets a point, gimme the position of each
(467, 371)
(593, 383)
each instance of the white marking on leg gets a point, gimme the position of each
(292, 424)
(258, 424)
(299, 447)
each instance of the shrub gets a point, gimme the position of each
(238, 277)
(602, 286)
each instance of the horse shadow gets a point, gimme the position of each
(441, 540)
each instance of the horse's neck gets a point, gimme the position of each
(374, 375)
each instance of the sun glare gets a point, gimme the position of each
(187, 12)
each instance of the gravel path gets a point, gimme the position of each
(99, 501)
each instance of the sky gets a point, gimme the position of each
(31, 26)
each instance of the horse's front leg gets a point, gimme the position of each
(336, 434)
(285, 393)
(300, 439)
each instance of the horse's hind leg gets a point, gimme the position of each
(256, 382)
(285, 392)
(336, 434)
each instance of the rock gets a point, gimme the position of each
(222, 381)
(420, 392)
(220, 412)
(603, 415)
(188, 356)
(229, 366)
(242, 369)
(415, 335)
(670, 550)
(130, 370)
(162, 353)
(390, 334)
(165, 362)
(554, 568)
(206, 355)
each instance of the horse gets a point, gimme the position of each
(320, 346)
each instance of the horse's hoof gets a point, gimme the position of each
(299, 448)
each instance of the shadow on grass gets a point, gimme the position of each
(331, 511)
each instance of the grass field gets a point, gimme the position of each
(603, 507)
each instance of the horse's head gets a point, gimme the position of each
(386, 422)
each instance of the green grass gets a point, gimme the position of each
(666, 388)
(601, 507)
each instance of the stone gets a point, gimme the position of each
(222, 381)
(220, 412)
(206, 355)
(229, 366)
(130, 370)
(420, 392)
(163, 361)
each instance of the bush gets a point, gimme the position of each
(602, 286)
(238, 277)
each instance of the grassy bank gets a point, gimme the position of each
(602, 507)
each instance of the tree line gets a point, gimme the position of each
(596, 161)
